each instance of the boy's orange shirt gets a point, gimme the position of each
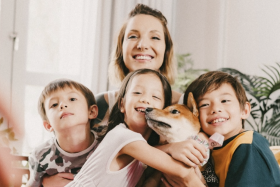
(222, 161)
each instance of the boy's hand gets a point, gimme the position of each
(189, 152)
(58, 180)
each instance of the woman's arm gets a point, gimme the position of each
(161, 161)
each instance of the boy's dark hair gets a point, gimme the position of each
(61, 84)
(116, 116)
(211, 81)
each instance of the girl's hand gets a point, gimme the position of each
(192, 180)
(58, 180)
(189, 152)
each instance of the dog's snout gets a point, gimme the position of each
(149, 110)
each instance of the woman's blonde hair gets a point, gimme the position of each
(117, 68)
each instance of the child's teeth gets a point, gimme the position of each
(143, 57)
(141, 110)
(219, 120)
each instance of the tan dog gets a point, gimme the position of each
(175, 123)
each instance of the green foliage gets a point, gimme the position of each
(265, 106)
(186, 72)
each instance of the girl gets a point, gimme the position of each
(123, 154)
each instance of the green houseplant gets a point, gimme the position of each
(186, 72)
(264, 96)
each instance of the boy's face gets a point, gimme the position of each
(220, 111)
(66, 108)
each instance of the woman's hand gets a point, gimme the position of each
(58, 180)
(189, 152)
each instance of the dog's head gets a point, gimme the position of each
(176, 122)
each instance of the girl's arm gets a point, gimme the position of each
(161, 161)
(189, 151)
(170, 181)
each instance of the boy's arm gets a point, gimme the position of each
(253, 166)
(58, 180)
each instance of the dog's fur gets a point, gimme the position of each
(175, 123)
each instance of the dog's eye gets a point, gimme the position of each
(175, 112)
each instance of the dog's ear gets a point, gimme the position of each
(192, 104)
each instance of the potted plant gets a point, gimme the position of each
(186, 72)
(264, 96)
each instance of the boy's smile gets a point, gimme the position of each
(220, 111)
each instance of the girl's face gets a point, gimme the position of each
(144, 43)
(143, 91)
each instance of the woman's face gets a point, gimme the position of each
(144, 43)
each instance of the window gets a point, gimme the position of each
(55, 39)
(45, 40)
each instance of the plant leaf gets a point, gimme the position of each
(249, 82)
(271, 130)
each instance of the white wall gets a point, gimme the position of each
(242, 34)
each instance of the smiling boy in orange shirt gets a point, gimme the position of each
(244, 158)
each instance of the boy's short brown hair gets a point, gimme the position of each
(61, 84)
(211, 81)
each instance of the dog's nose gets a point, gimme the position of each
(149, 110)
